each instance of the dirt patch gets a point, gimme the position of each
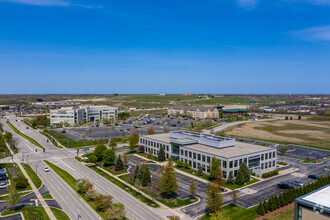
(13, 172)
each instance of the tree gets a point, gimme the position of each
(91, 193)
(192, 188)
(119, 164)
(98, 152)
(219, 178)
(149, 155)
(92, 158)
(218, 215)
(146, 178)
(113, 143)
(234, 196)
(125, 159)
(213, 198)
(245, 172)
(215, 163)
(286, 117)
(168, 182)
(141, 171)
(200, 171)
(109, 157)
(84, 185)
(136, 171)
(161, 154)
(8, 136)
(151, 131)
(299, 117)
(290, 118)
(13, 196)
(230, 179)
(116, 212)
(260, 209)
(239, 179)
(265, 205)
(103, 202)
(282, 150)
(133, 140)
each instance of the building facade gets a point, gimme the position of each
(198, 149)
(197, 112)
(82, 114)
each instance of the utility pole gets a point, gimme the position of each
(36, 169)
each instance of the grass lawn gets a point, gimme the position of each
(71, 181)
(311, 161)
(47, 196)
(235, 186)
(171, 202)
(22, 194)
(282, 163)
(286, 214)
(237, 213)
(60, 214)
(17, 172)
(111, 169)
(35, 179)
(25, 136)
(125, 187)
(30, 213)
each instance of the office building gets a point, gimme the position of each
(82, 114)
(196, 112)
(198, 149)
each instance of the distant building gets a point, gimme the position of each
(197, 112)
(234, 112)
(314, 205)
(198, 149)
(81, 114)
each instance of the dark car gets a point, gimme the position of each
(284, 186)
(4, 178)
(312, 176)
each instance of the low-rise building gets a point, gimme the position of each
(197, 112)
(198, 149)
(314, 205)
(82, 114)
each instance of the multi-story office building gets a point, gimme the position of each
(197, 112)
(82, 114)
(198, 149)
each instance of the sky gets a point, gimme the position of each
(165, 46)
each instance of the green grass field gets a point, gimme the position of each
(60, 214)
(25, 136)
(30, 213)
(35, 179)
(237, 212)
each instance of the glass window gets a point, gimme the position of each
(245, 160)
(194, 164)
(224, 174)
(266, 156)
(274, 154)
(270, 163)
(167, 147)
(266, 165)
(208, 169)
(270, 155)
(190, 154)
(209, 159)
(186, 153)
(224, 164)
(235, 164)
(262, 166)
(181, 152)
(273, 163)
(240, 161)
(203, 158)
(262, 156)
(230, 164)
(194, 155)
(198, 157)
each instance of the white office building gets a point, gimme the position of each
(198, 149)
(82, 114)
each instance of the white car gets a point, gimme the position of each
(46, 169)
(3, 185)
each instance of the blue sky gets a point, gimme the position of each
(166, 46)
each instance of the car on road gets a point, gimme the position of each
(27, 127)
(3, 185)
(284, 186)
(46, 169)
(298, 183)
(312, 176)
(86, 149)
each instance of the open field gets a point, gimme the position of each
(304, 132)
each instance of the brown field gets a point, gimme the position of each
(304, 132)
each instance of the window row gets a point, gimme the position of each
(267, 156)
(268, 164)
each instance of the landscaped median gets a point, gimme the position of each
(25, 136)
(29, 213)
(311, 161)
(33, 176)
(50, 138)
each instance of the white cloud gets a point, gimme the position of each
(313, 34)
(247, 3)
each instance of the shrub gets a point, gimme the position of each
(179, 163)
(21, 182)
(270, 174)
(253, 174)
(103, 202)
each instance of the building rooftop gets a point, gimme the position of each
(319, 197)
(239, 149)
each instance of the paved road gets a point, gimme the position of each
(64, 158)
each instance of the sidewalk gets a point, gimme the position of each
(34, 188)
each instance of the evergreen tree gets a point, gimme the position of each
(200, 171)
(265, 205)
(119, 164)
(140, 175)
(215, 163)
(109, 156)
(98, 152)
(167, 181)
(146, 178)
(260, 209)
(230, 179)
(161, 154)
(278, 202)
(239, 179)
(282, 200)
(245, 172)
(136, 171)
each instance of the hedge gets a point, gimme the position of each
(270, 174)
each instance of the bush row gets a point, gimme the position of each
(270, 174)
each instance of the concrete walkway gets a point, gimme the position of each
(34, 188)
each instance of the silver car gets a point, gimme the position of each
(3, 185)
(297, 183)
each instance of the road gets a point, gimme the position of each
(64, 158)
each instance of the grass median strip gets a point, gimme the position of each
(25, 136)
(50, 138)
(59, 214)
(35, 179)
(71, 181)
(126, 188)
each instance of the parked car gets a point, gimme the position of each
(86, 149)
(298, 183)
(4, 178)
(46, 169)
(312, 176)
(3, 185)
(284, 186)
